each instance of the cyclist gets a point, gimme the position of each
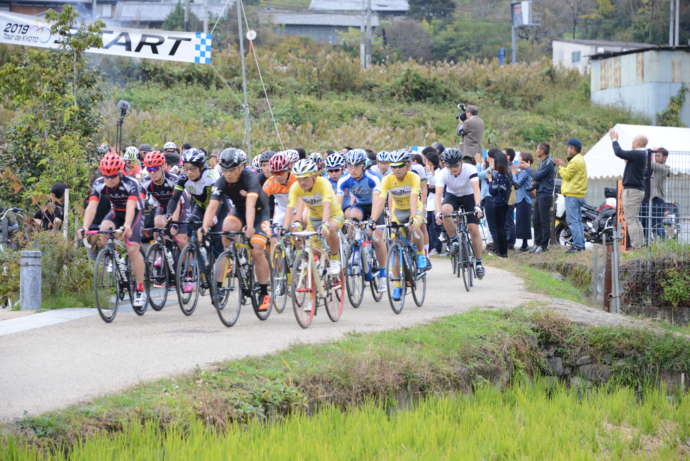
(198, 181)
(160, 187)
(460, 183)
(172, 157)
(320, 163)
(278, 185)
(324, 215)
(131, 167)
(250, 212)
(355, 194)
(292, 156)
(404, 186)
(126, 213)
(335, 164)
(382, 167)
(264, 166)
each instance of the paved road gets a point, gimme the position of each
(57, 365)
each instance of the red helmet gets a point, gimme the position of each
(279, 162)
(154, 159)
(111, 164)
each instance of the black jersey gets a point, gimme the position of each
(161, 193)
(247, 183)
(127, 189)
(199, 190)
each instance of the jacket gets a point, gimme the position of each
(544, 177)
(500, 188)
(574, 177)
(635, 162)
(474, 132)
(522, 181)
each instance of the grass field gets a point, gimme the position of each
(537, 420)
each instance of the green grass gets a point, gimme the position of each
(536, 420)
(66, 300)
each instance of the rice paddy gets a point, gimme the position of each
(532, 420)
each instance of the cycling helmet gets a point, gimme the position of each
(451, 156)
(145, 148)
(131, 154)
(195, 156)
(266, 156)
(102, 149)
(279, 162)
(356, 157)
(383, 156)
(317, 158)
(399, 156)
(154, 159)
(231, 158)
(335, 162)
(170, 146)
(256, 162)
(111, 164)
(305, 168)
(292, 155)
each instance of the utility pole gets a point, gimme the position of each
(674, 24)
(245, 103)
(513, 46)
(205, 16)
(186, 15)
(367, 62)
(362, 40)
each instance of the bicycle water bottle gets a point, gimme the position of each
(204, 256)
(241, 258)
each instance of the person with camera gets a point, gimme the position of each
(470, 129)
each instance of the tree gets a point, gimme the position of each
(175, 20)
(409, 39)
(55, 98)
(431, 9)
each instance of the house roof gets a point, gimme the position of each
(602, 163)
(158, 11)
(359, 5)
(606, 43)
(611, 54)
(320, 19)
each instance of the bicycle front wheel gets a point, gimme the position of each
(187, 280)
(395, 278)
(418, 287)
(470, 261)
(354, 276)
(280, 278)
(106, 285)
(228, 312)
(303, 290)
(370, 266)
(157, 276)
(464, 265)
(335, 294)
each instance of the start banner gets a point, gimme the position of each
(19, 29)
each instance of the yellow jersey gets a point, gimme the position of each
(402, 190)
(321, 192)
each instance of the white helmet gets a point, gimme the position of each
(131, 154)
(304, 168)
(169, 146)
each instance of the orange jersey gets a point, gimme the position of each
(273, 187)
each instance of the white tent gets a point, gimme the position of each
(602, 163)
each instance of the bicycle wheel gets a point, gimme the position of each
(303, 290)
(395, 277)
(106, 285)
(370, 266)
(418, 287)
(454, 263)
(228, 312)
(157, 279)
(187, 279)
(335, 294)
(280, 278)
(131, 285)
(354, 276)
(464, 264)
(470, 261)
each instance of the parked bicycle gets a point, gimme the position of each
(401, 269)
(311, 283)
(237, 268)
(462, 252)
(361, 265)
(112, 277)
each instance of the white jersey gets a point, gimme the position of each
(420, 170)
(459, 185)
(376, 169)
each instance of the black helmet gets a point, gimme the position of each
(266, 156)
(451, 156)
(439, 147)
(195, 156)
(231, 157)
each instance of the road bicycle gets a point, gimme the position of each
(194, 273)
(112, 277)
(312, 285)
(281, 260)
(237, 268)
(462, 252)
(161, 261)
(361, 265)
(401, 268)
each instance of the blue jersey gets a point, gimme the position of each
(358, 191)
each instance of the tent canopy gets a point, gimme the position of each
(602, 163)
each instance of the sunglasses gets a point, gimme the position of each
(110, 177)
(339, 170)
(398, 166)
(152, 169)
(234, 168)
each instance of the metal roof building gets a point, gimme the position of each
(154, 13)
(380, 6)
(575, 54)
(320, 27)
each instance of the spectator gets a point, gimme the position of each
(522, 180)
(484, 170)
(213, 159)
(500, 185)
(473, 132)
(660, 171)
(574, 189)
(633, 184)
(544, 184)
(51, 215)
(434, 230)
(510, 216)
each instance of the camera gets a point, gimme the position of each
(462, 115)
(123, 106)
